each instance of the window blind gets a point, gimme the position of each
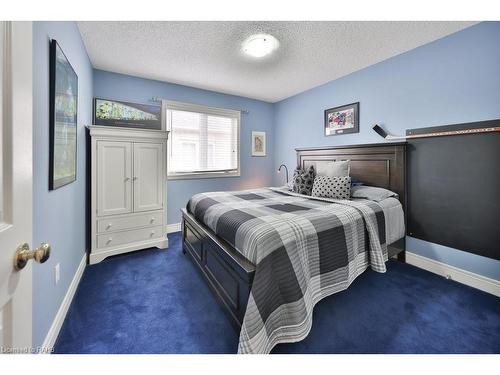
(202, 140)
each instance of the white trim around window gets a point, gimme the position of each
(168, 105)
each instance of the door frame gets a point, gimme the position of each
(18, 115)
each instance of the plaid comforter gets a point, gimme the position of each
(304, 249)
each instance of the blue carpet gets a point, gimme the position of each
(154, 301)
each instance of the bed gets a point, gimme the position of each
(227, 234)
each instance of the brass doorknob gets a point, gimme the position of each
(23, 254)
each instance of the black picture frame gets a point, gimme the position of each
(63, 118)
(153, 120)
(349, 119)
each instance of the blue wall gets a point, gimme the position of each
(255, 171)
(59, 215)
(452, 80)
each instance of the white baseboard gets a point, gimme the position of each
(171, 228)
(462, 276)
(51, 337)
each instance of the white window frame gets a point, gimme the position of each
(189, 107)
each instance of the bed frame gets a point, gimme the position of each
(229, 275)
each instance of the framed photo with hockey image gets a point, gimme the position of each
(342, 120)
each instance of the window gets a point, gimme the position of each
(203, 141)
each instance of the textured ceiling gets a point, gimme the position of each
(208, 54)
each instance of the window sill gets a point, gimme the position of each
(195, 176)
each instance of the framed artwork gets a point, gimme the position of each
(63, 113)
(342, 120)
(109, 112)
(258, 143)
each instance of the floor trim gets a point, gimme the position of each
(176, 227)
(51, 337)
(459, 275)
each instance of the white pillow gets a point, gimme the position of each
(372, 193)
(334, 168)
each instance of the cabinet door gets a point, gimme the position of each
(114, 184)
(148, 176)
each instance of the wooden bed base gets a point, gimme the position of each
(229, 275)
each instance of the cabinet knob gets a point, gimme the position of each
(108, 226)
(109, 240)
(134, 178)
(152, 233)
(127, 179)
(152, 219)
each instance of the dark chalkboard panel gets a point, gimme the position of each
(454, 190)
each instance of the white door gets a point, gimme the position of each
(15, 183)
(148, 180)
(114, 178)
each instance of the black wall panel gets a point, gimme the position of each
(454, 190)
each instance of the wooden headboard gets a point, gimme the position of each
(380, 164)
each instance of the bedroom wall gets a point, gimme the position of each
(255, 171)
(58, 215)
(452, 80)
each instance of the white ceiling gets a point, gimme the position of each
(208, 55)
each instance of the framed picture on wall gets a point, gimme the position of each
(342, 120)
(110, 112)
(63, 113)
(258, 143)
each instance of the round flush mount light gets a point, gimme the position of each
(260, 45)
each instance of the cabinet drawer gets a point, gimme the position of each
(136, 235)
(111, 224)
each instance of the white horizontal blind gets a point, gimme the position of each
(202, 139)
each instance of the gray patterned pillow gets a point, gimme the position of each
(332, 187)
(303, 181)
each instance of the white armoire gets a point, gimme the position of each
(128, 190)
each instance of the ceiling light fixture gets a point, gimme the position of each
(260, 45)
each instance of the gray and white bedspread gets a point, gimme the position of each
(303, 248)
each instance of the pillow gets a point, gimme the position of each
(355, 182)
(334, 168)
(372, 193)
(332, 187)
(303, 181)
